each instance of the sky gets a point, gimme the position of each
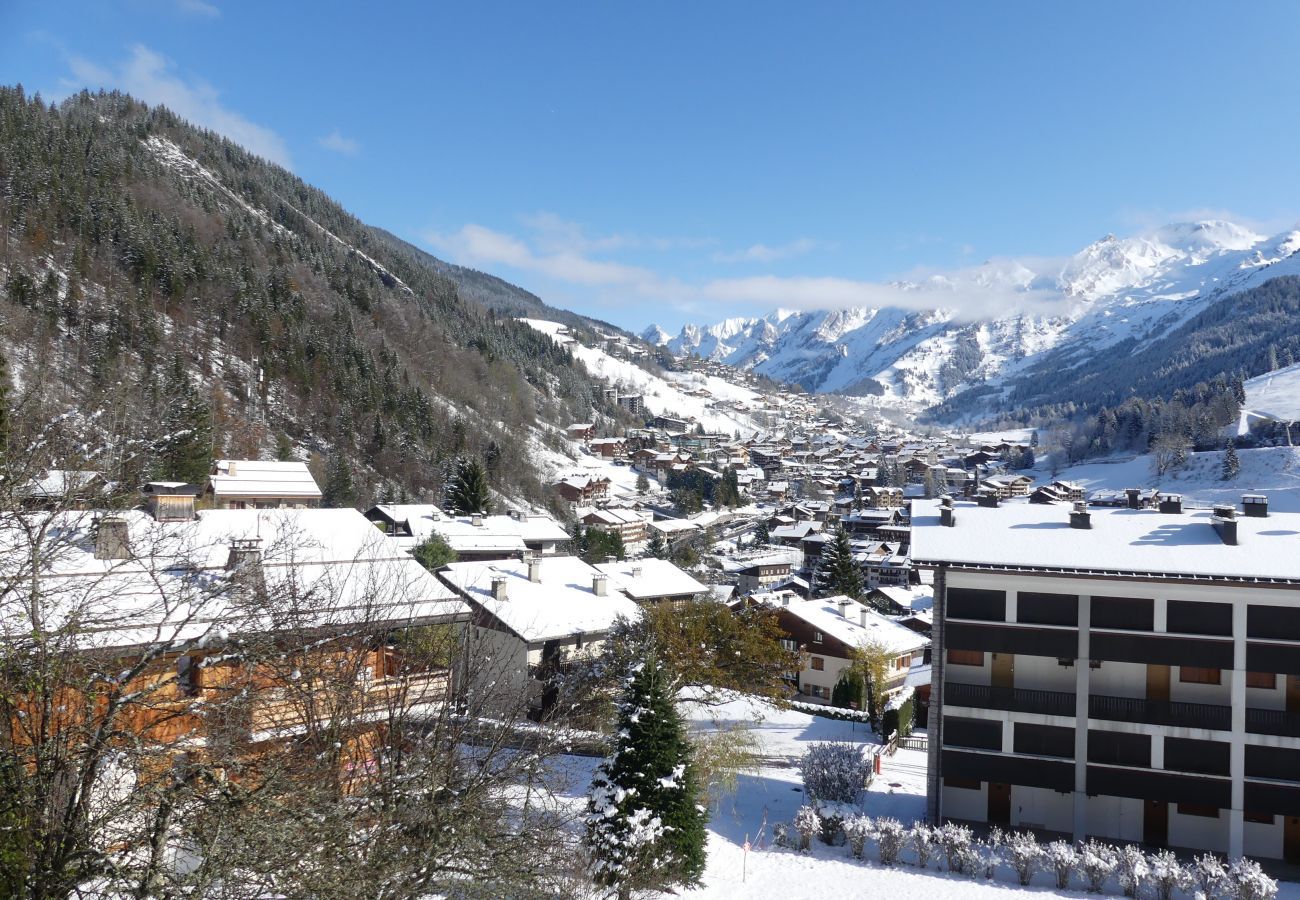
(689, 162)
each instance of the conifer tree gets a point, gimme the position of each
(185, 451)
(645, 822)
(339, 489)
(1231, 463)
(468, 492)
(4, 408)
(838, 573)
(656, 546)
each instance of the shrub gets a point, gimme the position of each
(1209, 875)
(1167, 875)
(1061, 858)
(781, 835)
(1131, 869)
(890, 835)
(1096, 863)
(898, 715)
(807, 823)
(1024, 854)
(1249, 882)
(955, 841)
(857, 829)
(834, 772)
(922, 838)
(989, 853)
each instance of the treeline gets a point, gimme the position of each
(122, 273)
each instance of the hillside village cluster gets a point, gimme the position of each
(1114, 665)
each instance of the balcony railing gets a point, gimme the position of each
(983, 696)
(1160, 712)
(1273, 721)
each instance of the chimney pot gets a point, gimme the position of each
(600, 585)
(500, 588)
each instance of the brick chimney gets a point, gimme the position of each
(112, 538)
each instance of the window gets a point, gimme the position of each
(789, 644)
(817, 637)
(1198, 675)
(818, 663)
(966, 657)
(189, 678)
(1258, 817)
(1266, 680)
(1198, 809)
(966, 784)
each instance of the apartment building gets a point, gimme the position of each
(1128, 673)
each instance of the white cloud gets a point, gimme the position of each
(995, 288)
(198, 8)
(149, 76)
(339, 144)
(763, 253)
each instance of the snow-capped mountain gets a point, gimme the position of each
(1116, 289)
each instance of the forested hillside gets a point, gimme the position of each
(171, 297)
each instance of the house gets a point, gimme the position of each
(262, 484)
(581, 431)
(630, 526)
(1126, 674)
(829, 631)
(535, 616)
(762, 572)
(472, 537)
(181, 601)
(652, 581)
(579, 489)
(882, 497)
(608, 448)
(1006, 486)
(64, 489)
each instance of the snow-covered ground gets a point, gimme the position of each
(661, 396)
(1274, 471)
(1275, 395)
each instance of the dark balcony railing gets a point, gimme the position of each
(983, 696)
(1160, 712)
(1273, 721)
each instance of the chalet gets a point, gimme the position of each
(1006, 486)
(581, 431)
(882, 497)
(650, 580)
(630, 526)
(609, 448)
(760, 573)
(830, 630)
(262, 484)
(867, 523)
(535, 616)
(64, 489)
(180, 597)
(643, 458)
(580, 489)
(475, 537)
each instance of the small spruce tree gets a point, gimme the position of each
(645, 821)
(1231, 463)
(468, 492)
(339, 490)
(656, 546)
(838, 573)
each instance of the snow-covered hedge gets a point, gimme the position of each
(830, 712)
(1093, 865)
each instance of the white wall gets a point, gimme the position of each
(1043, 673)
(1119, 679)
(1116, 818)
(1263, 698)
(1041, 808)
(1264, 840)
(962, 803)
(1197, 832)
(1219, 694)
(970, 674)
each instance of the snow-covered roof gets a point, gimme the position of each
(851, 623)
(1142, 541)
(175, 585)
(263, 478)
(561, 603)
(675, 526)
(509, 532)
(58, 483)
(647, 579)
(913, 598)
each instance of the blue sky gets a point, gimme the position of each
(688, 162)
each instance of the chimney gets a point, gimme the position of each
(989, 500)
(230, 468)
(476, 520)
(862, 617)
(600, 584)
(1254, 506)
(244, 563)
(1171, 504)
(844, 607)
(946, 517)
(500, 588)
(534, 569)
(1134, 497)
(1224, 522)
(1079, 516)
(112, 538)
(636, 571)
